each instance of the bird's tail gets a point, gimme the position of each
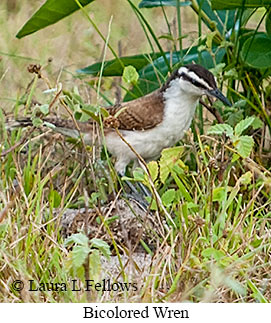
(63, 126)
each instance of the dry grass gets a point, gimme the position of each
(218, 250)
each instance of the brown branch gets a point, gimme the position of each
(214, 111)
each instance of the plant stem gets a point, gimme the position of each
(179, 27)
(151, 32)
(98, 31)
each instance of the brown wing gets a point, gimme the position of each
(140, 114)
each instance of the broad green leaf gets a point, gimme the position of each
(219, 194)
(235, 117)
(256, 51)
(240, 103)
(224, 19)
(243, 125)
(130, 75)
(37, 122)
(232, 4)
(246, 178)
(169, 157)
(235, 285)
(49, 13)
(44, 109)
(244, 145)
(102, 246)
(168, 197)
(95, 267)
(138, 174)
(220, 129)
(151, 68)
(257, 123)
(235, 157)
(213, 253)
(79, 255)
(153, 169)
(159, 3)
(77, 238)
(114, 67)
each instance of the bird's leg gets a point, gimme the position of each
(140, 198)
(144, 189)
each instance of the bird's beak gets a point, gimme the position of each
(217, 94)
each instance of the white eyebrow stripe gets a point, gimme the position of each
(200, 80)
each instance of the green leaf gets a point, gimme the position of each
(235, 117)
(257, 123)
(169, 157)
(213, 253)
(44, 109)
(49, 13)
(160, 3)
(235, 285)
(246, 178)
(102, 246)
(37, 122)
(79, 255)
(239, 104)
(182, 188)
(168, 197)
(243, 125)
(77, 238)
(235, 157)
(219, 194)
(138, 174)
(209, 39)
(256, 292)
(114, 67)
(54, 198)
(224, 20)
(95, 266)
(220, 129)
(130, 75)
(256, 51)
(244, 145)
(233, 4)
(92, 112)
(153, 169)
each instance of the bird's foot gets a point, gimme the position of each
(139, 197)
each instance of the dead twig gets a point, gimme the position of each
(214, 111)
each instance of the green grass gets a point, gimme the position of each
(216, 250)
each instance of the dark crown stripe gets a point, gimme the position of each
(199, 70)
(202, 73)
(193, 81)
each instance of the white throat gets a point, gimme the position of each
(179, 108)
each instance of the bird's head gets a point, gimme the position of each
(196, 81)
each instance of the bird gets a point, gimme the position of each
(150, 123)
